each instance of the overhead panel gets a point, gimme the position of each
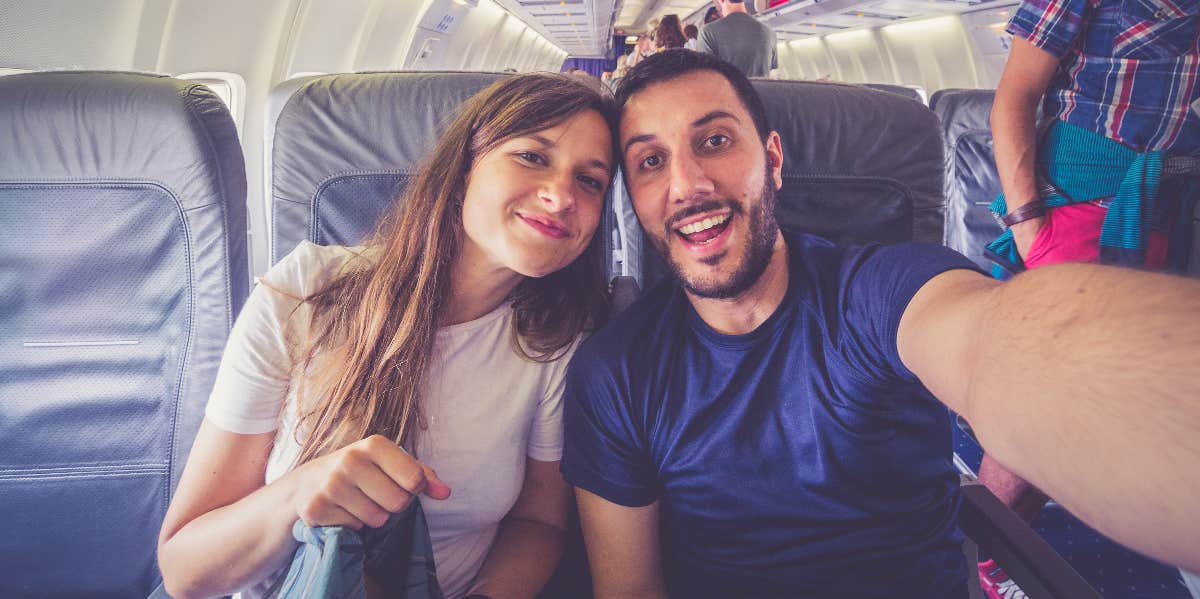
(580, 27)
(799, 18)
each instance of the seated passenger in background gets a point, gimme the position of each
(771, 422)
(447, 334)
(1118, 81)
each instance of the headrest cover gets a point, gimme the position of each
(347, 125)
(87, 126)
(859, 164)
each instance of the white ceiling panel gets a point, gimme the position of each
(581, 27)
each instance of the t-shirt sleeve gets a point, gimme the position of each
(252, 381)
(255, 373)
(704, 42)
(603, 451)
(1052, 25)
(546, 435)
(877, 284)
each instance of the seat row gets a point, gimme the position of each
(123, 264)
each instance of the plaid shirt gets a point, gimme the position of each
(1127, 69)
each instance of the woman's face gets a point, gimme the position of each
(533, 202)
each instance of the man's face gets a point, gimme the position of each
(702, 182)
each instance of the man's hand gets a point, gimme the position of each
(1025, 232)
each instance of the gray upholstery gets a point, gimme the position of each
(971, 179)
(858, 165)
(345, 145)
(122, 267)
(900, 90)
(936, 97)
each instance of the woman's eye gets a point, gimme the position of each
(533, 157)
(716, 141)
(652, 161)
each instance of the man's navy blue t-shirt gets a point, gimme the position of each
(802, 459)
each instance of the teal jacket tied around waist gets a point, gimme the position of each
(1077, 166)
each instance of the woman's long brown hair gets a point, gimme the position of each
(373, 327)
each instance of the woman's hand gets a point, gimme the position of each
(362, 484)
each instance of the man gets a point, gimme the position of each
(766, 424)
(1118, 80)
(740, 39)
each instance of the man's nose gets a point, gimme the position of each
(688, 179)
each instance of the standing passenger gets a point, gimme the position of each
(690, 32)
(352, 373)
(740, 39)
(669, 34)
(1120, 82)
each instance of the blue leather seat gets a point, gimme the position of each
(122, 268)
(911, 93)
(971, 179)
(345, 146)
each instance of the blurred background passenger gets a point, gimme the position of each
(690, 32)
(669, 34)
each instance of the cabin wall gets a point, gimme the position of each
(942, 52)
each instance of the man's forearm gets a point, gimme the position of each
(1014, 137)
(1086, 382)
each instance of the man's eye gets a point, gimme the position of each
(652, 161)
(716, 141)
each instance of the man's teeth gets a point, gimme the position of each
(703, 225)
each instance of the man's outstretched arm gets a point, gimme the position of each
(1083, 379)
(622, 547)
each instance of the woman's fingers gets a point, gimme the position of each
(411, 475)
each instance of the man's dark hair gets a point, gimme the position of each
(691, 31)
(712, 14)
(669, 64)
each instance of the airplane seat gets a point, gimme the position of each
(936, 97)
(344, 146)
(122, 267)
(859, 165)
(911, 93)
(971, 179)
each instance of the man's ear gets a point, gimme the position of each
(774, 150)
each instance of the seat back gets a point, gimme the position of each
(971, 178)
(122, 268)
(912, 93)
(345, 146)
(860, 165)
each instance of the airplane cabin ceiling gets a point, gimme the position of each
(581, 27)
(803, 18)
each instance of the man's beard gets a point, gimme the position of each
(756, 253)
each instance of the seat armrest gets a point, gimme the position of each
(1025, 555)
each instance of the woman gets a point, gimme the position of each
(669, 33)
(448, 333)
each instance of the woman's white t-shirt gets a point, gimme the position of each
(486, 407)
